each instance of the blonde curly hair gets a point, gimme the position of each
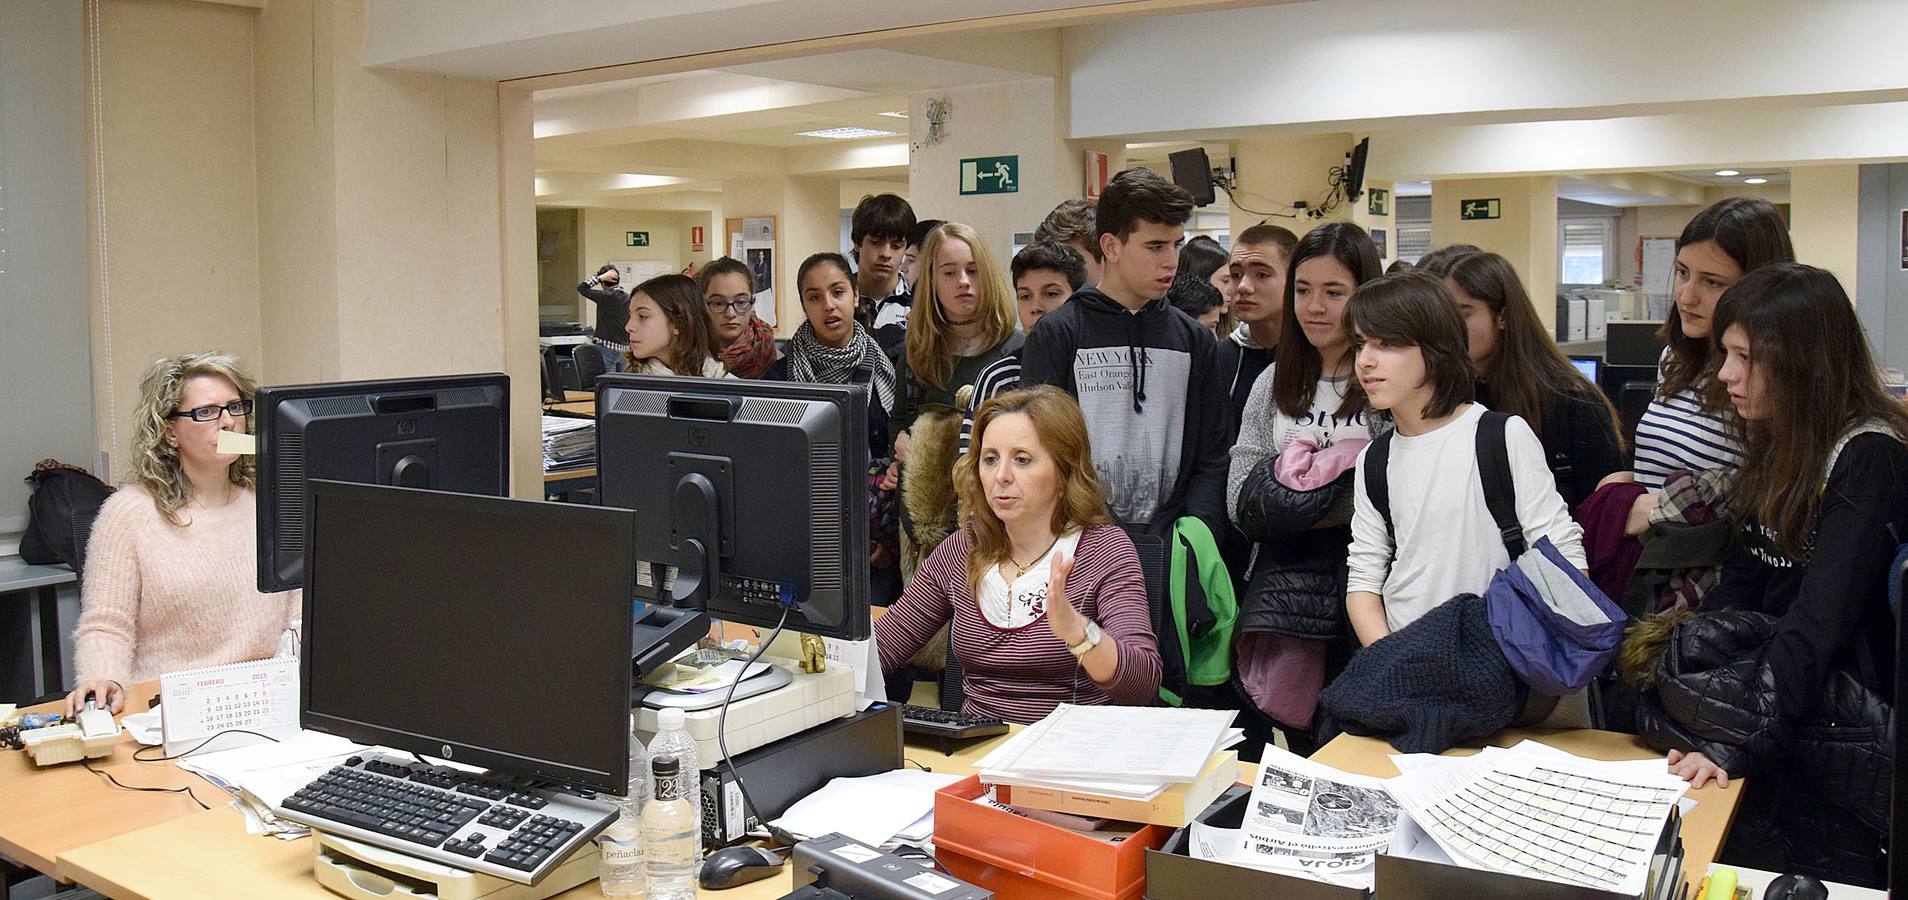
(156, 466)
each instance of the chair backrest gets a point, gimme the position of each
(589, 364)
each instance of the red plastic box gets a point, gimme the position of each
(1020, 859)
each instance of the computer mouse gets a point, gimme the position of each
(1795, 887)
(731, 866)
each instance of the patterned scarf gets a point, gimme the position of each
(752, 353)
(813, 361)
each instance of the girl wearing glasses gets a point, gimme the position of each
(747, 343)
(169, 581)
(669, 330)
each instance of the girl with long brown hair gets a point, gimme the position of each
(1821, 504)
(1044, 595)
(669, 332)
(1520, 371)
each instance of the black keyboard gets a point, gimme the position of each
(457, 818)
(926, 721)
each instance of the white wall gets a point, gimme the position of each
(1018, 118)
(1337, 61)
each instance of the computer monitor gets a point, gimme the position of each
(1354, 179)
(1192, 171)
(449, 433)
(1590, 366)
(751, 496)
(480, 630)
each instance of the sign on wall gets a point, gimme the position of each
(1490, 208)
(695, 239)
(1378, 202)
(635, 238)
(990, 175)
(1096, 175)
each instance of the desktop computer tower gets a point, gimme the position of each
(780, 773)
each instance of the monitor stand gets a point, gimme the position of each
(363, 872)
(772, 677)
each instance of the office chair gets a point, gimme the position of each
(1631, 402)
(589, 364)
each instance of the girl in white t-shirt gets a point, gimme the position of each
(1412, 360)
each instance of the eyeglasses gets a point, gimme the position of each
(238, 408)
(738, 305)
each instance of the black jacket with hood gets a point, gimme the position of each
(1129, 368)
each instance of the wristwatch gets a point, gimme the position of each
(1087, 643)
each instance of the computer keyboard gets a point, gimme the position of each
(926, 721)
(476, 822)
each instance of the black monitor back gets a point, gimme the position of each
(787, 465)
(447, 433)
(483, 630)
(1192, 171)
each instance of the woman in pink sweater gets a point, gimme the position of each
(170, 567)
(1045, 595)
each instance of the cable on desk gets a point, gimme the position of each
(196, 747)
(722, 731)
(917, 765)
(187, 790)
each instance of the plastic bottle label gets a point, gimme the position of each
(617, 852)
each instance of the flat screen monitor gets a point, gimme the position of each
(448, 433)
(1590, 366)
(751, 496)
(480, 630)
(1354, 180)
(1192, 171)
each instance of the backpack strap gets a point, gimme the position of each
(1500, 490)
(1377, 489)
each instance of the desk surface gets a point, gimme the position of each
(1703, 829)
(46, 812)
(209, 854)
(20, 576)
(578, 403)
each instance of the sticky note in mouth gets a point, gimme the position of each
(238, 442)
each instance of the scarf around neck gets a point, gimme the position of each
(752, 353)
(811, 360)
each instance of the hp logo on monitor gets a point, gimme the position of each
(406, 427)
(446, 751)
(699, 438)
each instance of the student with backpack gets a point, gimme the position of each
(169, 582)
(1786, 671)
(1430, 531)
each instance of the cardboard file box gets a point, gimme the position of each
(1173, 874)
(1026, 860)
(1173, 808)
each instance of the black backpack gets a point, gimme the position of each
(66, 499)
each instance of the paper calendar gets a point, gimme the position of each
(257, 696)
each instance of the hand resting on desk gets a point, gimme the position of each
(110, 694)
(1696, 769)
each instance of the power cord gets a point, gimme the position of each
(196, 747)
(145, 789)
(722, 732)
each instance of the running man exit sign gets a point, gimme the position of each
(1491, 208)
(990, 175)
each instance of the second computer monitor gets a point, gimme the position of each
(448, 433)
(751, 496)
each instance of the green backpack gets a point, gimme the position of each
(1194, 565)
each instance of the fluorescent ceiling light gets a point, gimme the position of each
(846, 134)
(1755, 181)
(897, 114)
(1727, 173)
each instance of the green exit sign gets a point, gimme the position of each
(1492, 208)
(990, 175)
(635, 238)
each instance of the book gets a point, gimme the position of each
(1174, 807)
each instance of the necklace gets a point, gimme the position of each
(963, 323)
(1020, 570)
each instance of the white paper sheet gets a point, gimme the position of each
(1140, 745)
(872, 809)
(1309, 819)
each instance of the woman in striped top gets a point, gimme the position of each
(1044, 594)
(1686, 426)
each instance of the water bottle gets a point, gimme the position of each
(671, 832)
(621, 869)
(672, 739)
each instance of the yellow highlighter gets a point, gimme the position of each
(1722, 885)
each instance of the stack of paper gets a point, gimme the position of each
(261, 776)
(892, 807)
(1123, 752)
(1307, 819)
(1538, 812)
(568, 443)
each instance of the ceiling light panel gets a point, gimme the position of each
(846, 134)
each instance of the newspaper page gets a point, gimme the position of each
(1310, 819)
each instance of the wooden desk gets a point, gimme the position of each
(1703, 829)
(208, 854)
(47, 811)
(568, 475)
(586, 406)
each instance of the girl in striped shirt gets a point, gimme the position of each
(1044, 595)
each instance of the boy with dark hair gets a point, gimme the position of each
(1045, 275)
(1071, 223)
(911, 256)
(881, 226)
(1145, 374)
(1261, 258)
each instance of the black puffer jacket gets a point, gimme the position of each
(1714, 693)
(1297, 585)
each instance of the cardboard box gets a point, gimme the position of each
(1017, 857)
(1173, 808)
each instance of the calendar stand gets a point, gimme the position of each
(259, 697)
